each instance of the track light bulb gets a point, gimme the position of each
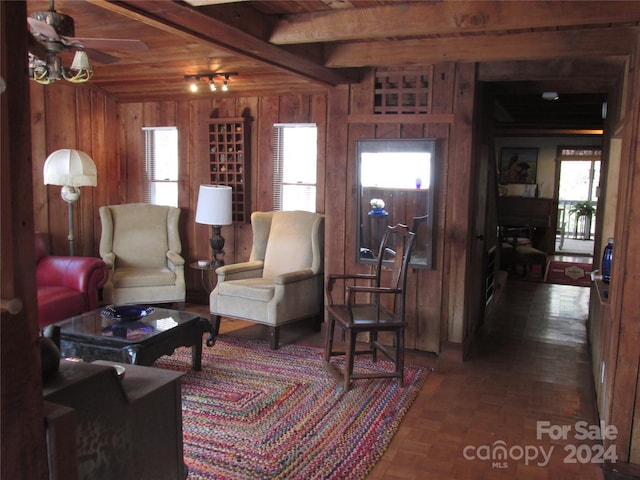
(225, 84)
(212, 86)
(194, 86)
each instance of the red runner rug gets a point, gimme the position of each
(569, 273)
(257, 413)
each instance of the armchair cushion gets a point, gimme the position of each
(260, 289)
(288, 234)
(143, 277)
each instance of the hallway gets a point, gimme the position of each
(530, 364)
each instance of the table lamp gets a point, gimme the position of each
(214, 208)
(71, 169)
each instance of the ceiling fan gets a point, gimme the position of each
(53, 32)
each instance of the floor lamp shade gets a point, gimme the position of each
(70, 167)
(214, 205)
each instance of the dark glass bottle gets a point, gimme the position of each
(607, 258)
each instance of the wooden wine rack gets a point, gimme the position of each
(229, 160)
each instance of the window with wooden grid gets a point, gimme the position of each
(402, 91)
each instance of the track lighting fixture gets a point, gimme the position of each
(209, 78)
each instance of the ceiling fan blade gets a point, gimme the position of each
(43, 29)
(101, 57)
(112, 43)
(36, 48)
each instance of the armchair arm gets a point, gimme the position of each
(109, 259)
(296, 276)
(175, 259)
(84, 274)
(238, 271)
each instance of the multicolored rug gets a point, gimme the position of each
(569, 273)
(256, 413)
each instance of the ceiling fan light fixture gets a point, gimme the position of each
(80, 70)
(38, 70)
(46, 73)
(54, 33)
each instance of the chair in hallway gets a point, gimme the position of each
(373, 303)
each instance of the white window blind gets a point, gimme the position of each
(295, 147)
(161, 165)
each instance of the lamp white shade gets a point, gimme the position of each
(214, 205)
(70, 167)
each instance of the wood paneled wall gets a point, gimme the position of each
(112, 134)
(63, 116)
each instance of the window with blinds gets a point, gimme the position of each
(295, 151)
(161, 165)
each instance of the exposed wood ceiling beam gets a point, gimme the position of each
(485, 48)
(604, 70)
(181, 19)
(447, 17)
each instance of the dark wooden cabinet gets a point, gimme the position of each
(229, 160)
(125, 429)
(537, 214)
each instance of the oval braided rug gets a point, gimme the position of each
(256, 413)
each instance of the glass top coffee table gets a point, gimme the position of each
(139, 341)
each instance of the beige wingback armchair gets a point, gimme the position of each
(283, 280)
(140, 244)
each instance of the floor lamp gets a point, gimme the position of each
(214, 208)
(71, 169)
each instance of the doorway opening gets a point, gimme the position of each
(577, 181)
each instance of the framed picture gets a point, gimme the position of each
(518, 165)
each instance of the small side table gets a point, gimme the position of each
(206, 275)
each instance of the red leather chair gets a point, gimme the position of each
(67, 286)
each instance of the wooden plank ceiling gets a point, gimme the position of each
(307, 46)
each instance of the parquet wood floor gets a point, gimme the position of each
(529, 364)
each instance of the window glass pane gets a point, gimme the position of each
(295, 167)
(166, 154)
(410, 169)
(165, 193)
(574, 180)
(161, 166)
(299, 155)
(299, 197)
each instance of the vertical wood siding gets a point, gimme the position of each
(112, 134)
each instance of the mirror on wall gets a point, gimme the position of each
(396, 185)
